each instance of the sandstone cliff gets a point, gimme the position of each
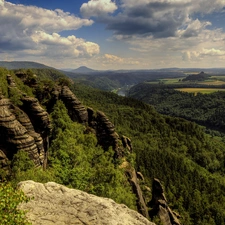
(56, 204)
(76, 110)
(14, 136)
(160, 206)
(23, 127)
(28, 127)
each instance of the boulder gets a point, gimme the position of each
(55, 204)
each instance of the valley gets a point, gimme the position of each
(97, 141)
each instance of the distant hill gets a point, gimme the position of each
(197, 77)
(84, 70)
(22, 65)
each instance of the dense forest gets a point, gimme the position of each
(178, 152)
(204, 109)
(190, 163)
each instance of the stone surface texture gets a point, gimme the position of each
(54, 204)
(160, 206)
(76, 110)
(14, 136)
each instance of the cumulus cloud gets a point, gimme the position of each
(213, 52)
(113, 61)
(97, 8)
(64, 46)
(34, 31)
(159, 19)
(194, 28)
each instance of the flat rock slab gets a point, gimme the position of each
(55, 204)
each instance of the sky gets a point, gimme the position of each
(114, 34)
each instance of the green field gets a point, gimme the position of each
(213, 80)
(200, 90)
(167, 81)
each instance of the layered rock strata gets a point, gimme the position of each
(160, 206)
(24, 120)
(76, 110)
(56, 204)
(24, 127)
(141, 205)
(14, 136)
(105, 131)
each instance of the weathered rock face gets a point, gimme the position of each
(76, 110)
(35, 122)
(10, 81)
(3, 161)
(159, 205)
(127, 143)
(142, 208)
(22, 117)
(13, 135)
(41, 122)
(38, 116)
(106, 134)
(105, 131)
(56, 204)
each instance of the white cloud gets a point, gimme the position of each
(98, 8)
(109, 61)
(56, 46)
(213, 52)
(193, 29)
(34, 31)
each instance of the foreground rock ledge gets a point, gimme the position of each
(56, 204)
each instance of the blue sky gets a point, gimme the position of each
(114, 34)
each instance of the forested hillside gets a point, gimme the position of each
(189, 163)
(204, 109)
(112, 80)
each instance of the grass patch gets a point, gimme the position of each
(200, 90)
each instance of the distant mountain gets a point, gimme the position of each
(22, 65)
(83, 69)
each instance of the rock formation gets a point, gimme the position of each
(127, 143)
(14, 136)
(105, 130)
(160, 207)
(4, 164)
(141, 205)
(38, 116)
(24, 120)
(76, 110)
(52, 204)
(25, 127)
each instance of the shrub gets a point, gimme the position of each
(9, 201)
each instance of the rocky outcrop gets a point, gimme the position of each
(52, 204)
(38, 116)
(40, 120)
(160, 207)
(4, 162)
(14, 136)
(141, 205)
(127, 143)
(106, 134)
(25, 127)
(11, 81)
(24, 120)
(105, 131)
(76, 110)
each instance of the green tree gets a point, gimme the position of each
(9, 201)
